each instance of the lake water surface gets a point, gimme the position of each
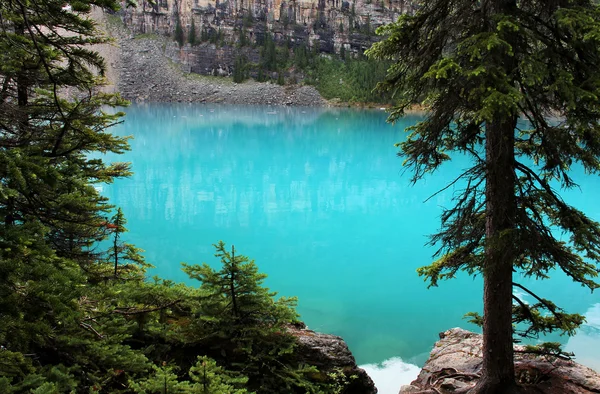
(319, 199)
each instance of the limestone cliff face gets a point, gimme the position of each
(329, 24)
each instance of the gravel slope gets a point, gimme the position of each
(138, 69)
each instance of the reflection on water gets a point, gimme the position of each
(319, 199)
(205, 164)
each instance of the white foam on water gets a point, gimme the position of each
(391, 374)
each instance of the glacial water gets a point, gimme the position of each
(319, 199)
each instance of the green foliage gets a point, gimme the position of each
(210, 378)
(339, 381)
(353, 80)
(192, 38)
(205, 377)
(77, 313)
(122, 253)
(215, 36)
(244, 323)
(548, 349)
(179, 37)
(478, 70)
(236, 291)
(240, 69)
(51, 216)
(366, 27)
(162, 380)
(248, 20)
(204, 35)
(301, 57)
(243, 38)
(285, 19)
(261, 76)
(268, 54)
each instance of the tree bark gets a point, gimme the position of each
(498, 370)
(498, 375)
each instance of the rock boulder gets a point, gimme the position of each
(454, 365)
(330, 354)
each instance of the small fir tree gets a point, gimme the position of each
(192, 34)
(246, 326)
(240, 66)
(209, 378)
(122, 254)
(179, 37)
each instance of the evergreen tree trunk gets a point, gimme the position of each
(501, 208)
(498, 365)
(115, 248)
(116, 243)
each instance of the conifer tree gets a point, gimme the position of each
(53, 119)
(236, 291)
(209, 378)
(120, 252)
(179, 37)
(240, 69)
(268, 53)
(246, 326)
(515, 86)
(192, 34)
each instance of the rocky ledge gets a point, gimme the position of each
(454, 366)
(330, 354)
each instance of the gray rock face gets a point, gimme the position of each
(140, 69)
(329, 353)
(454, 365)
(329, 24)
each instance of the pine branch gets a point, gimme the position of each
(91, 329)
(549, 307)
(147, 310)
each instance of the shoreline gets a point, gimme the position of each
(141, 72)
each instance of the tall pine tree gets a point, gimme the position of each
(478, 68)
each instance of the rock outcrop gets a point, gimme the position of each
(330, 25)
(330, 354)
(140, 71)
(454, 365)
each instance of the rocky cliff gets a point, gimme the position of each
(455, 362)
(138, 70)
(330, 354)
(329, 26)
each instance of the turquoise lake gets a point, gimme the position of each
(319, 199)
